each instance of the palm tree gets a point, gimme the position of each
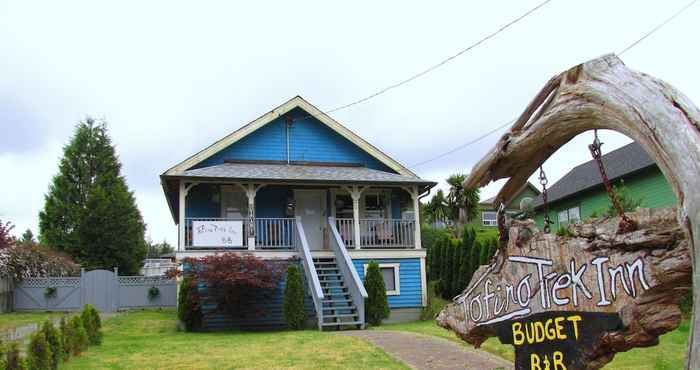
(463, 203)
(437, 208)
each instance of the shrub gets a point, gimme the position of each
(14, 360)
(564, 231)
(21, 262)
(2, 355)
(66, 342)
(377, 305)
(53, 338)
(188, 304)
(77, 336)
(39, 352)
(234, 280)
(294, 312)
(153, 293)
(92, 323)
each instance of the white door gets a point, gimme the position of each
(310, 206)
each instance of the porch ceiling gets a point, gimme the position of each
(299, 173)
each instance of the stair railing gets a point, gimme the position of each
(347, 269)
(310, 271)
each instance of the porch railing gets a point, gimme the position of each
(270, 233)
(378, 233)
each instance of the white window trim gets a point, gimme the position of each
(397, 279)
(488, 222)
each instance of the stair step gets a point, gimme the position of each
(326, 262)
(337, 301)
(341, 323)
(327, 269)
(340, 316)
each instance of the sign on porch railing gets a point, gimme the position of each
(217, 233)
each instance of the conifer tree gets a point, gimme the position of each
(474, 261)
(456, 263)
(89, 212)
(465, 272)
(436, 262)
(294, 313)
(53, 338)
(377, 305)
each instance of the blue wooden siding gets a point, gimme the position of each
(409, 280)
(310, 140)
(396, 203)
(270, 202)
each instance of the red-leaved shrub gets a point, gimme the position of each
(234, 279)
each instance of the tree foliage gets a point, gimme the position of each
(628, 202)
(377, 305)
(89, 211)
(27, 238)
(463, 203)
(294, 312)
(77, 336)
(189, 309)
(6, 239)
(156, 250)
(92, 323)
(13, 359)
(19, 262)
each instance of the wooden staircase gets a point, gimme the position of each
(338, 310)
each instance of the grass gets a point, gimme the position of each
(149, 340)
(13, 320)
(669, 354)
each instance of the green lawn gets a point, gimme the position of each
(16, 319)
(669, 354)
(149, 340)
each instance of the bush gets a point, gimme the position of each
(2, 355)
(53, 337)
(14, 360)
(77, 336)
(39, 352)
(188, 304)
(294, 312)
(377, 305)
(65, 341)
(92, 324)
(21, 262)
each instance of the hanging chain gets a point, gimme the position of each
(543, 182)
(626, 224)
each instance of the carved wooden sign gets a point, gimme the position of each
(572, 302)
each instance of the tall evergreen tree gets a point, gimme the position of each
(376, 304)
(465, 272)
(445, 267)
(484, 252)
(89, 211)
(474, 261)
(436, 260)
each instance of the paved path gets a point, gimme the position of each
(426, 352)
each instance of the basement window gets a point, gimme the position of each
(390, 273)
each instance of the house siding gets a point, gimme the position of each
(649, 185)
(409, 281)
(310, 140)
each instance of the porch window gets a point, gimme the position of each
(234, 203)
(376, 205)
(390, 273)
(489, 218)
(343, 206)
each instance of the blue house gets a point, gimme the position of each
(296, 183)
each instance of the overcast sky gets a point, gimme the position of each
(171, 79)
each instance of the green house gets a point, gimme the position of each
(580, 194)
(488, 210)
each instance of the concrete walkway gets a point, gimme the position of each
(427, 352)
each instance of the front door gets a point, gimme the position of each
(310, 206)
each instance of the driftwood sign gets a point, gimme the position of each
(573, 302)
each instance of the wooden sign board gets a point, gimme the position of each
(217, 233)
(572, 302)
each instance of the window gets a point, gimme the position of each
(570, 215)
(489, 218)
(390, 273)
(234, 203)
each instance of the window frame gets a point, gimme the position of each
(493, 222)
(397, 277)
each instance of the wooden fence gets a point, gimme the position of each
(6, 291)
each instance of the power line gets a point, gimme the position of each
(630, 46)
(462, 146)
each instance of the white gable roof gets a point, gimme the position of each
(296, 102)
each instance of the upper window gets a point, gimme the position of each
(489, 218)
(390, 273)
(570, 215)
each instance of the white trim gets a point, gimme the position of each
(276, 113)
(355, 255)
(423, 283)
(397, 276)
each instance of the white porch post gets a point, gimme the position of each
(181, 217)
(250, 191)
(356, 193)
(416, 211)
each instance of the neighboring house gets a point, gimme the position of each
(580, 194)
(295, 183)
(488, 209)
(157, 266)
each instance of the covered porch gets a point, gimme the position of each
(245, 206)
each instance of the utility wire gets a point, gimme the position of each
(462, 146)
(441, 63)
(630, 46)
